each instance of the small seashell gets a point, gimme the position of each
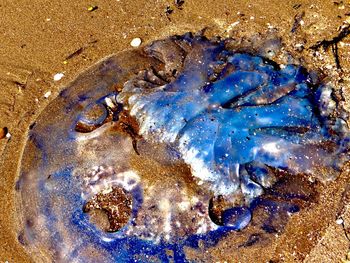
(136, 42)
(58, 76)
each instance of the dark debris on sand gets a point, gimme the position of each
(333, 43)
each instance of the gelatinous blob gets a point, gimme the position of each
(175, 146)
(252, 114)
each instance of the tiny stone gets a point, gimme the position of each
(3, 132)
(92, 8)
(58, 76)
(339, 221)
(136, 42)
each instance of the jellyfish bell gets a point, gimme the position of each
(174, 146)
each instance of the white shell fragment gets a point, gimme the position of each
(58, 76)
(339, 221)
(136, 42)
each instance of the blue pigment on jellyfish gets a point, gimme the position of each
(179, 145)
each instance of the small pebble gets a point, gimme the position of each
(58, 76)
(339, 221)
(136, 42)
(47, 94)
(3, 132)
(92, 8)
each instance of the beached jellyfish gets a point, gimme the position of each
(176, 146)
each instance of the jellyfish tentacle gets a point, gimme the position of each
(193, 62)
(196, 145)
(235, 85)
(267, 94)
(252, 113)
(310, 158)
(224, 161)
(166, 124)
(168, 52)
(146, 81)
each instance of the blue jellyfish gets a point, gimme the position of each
(172, 148)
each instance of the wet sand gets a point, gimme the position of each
(42, 38)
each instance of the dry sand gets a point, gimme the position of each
(38, 36)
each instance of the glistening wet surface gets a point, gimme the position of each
(160, 153)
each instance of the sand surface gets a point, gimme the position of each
(38, 39)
